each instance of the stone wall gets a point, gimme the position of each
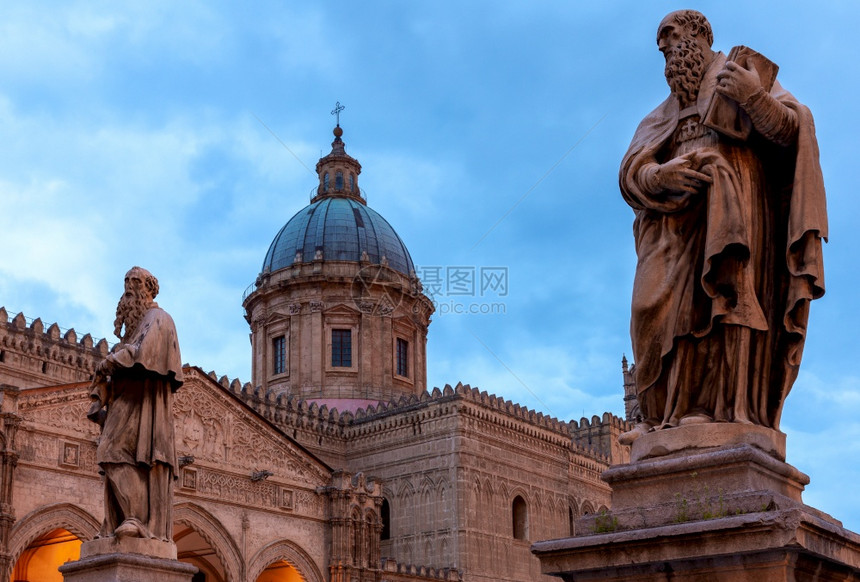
(452, 462)
(254, 496)
(32, 356)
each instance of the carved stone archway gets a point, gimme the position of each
(289, 552)
(211, 530)
(46, 519)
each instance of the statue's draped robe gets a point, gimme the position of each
(138, 430)
(724, 277)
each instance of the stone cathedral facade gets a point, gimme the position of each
(336, 462)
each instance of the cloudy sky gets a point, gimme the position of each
(182, 136)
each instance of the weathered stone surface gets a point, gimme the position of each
(776, 545)
(114, 545)
(728, 470)
(126, 568)
(719, 513)
(707, 436)
(714, 483)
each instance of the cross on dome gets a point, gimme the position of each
(336, 111)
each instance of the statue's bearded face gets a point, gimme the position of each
(133, 304)
(685, 66)
(685, 59)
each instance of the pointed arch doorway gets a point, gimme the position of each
(45, 554)
(280, 571)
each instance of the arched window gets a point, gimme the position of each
(520, 515)
(325, 182)
(571, 521)
(385, 515)
(352, 182)
(356, 538)
(338, 181)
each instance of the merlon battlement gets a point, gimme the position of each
(35, 356)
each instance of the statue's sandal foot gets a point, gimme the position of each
(128, 529)
(695, 419)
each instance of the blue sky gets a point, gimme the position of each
(145, 136)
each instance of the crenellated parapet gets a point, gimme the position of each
(600, 434)
(397, 572)
(317, 426)
(31, 355)
(606, 420)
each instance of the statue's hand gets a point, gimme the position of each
(106, 367)
(738, 83)
(681, 175)
(97, 413)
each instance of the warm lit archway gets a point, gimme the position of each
(280, 560)
(280, 571)
(226, 559)
(193, 549)
(42, 558)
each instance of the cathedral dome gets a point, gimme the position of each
(337, 314)
(336, 228)
(338, 225)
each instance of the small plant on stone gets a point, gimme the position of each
(682, 514)
(720, 511)
(605, 523)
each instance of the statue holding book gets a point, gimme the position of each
(725, 183)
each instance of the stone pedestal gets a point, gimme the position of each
(127, 560)
(710, 502)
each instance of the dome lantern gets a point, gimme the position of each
(338, 172)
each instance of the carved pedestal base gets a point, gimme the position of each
(706, 506)
(127, 560)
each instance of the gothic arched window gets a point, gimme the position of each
(520, 515)
(385, 515)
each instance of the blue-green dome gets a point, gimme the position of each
(343, 229)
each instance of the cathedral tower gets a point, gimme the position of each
(337, 313)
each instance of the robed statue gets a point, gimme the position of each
(724, 180)
(132, 396)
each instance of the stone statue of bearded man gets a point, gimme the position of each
(133, 401)
(728, 233)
